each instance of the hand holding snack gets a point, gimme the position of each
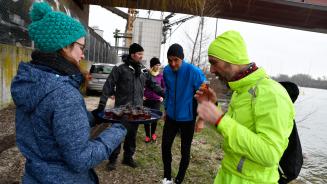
(205, 93)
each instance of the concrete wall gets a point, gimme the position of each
(10, 56)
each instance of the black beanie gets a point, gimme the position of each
(154, 61)
(176, 50)
(135, 48)
(292, 89)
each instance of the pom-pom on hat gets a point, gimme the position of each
(51, 30)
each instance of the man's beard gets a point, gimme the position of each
(222, 79)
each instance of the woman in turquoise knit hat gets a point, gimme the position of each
(52, 123)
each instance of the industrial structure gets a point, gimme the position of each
(147, 32)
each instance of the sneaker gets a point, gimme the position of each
(165, 181)
(129, 162)
(111, 165)
(147, 139)
(154, 137)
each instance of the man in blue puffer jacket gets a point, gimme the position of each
(52, 123)
(182, 80)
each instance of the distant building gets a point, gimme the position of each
(148, 33)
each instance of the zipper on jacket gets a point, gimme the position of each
(175, 94)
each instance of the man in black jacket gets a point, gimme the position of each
(126, 82)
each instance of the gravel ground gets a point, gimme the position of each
(11, 160)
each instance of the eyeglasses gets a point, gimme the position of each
(81, 46)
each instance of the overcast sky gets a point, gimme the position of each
(278, 50)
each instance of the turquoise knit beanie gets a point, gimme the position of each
(229, 47)
(52, 30)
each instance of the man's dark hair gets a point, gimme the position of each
(176, 50)
(135, 48)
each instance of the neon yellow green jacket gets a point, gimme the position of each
(255, 128)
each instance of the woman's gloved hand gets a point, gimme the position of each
(98, 116)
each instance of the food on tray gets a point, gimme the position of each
(129, 112)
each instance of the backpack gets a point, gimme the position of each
(291, 162)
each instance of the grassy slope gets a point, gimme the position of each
(205, 159)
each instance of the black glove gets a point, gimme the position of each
(98, 119)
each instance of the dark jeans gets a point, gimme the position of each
(151, 128)
(170, 130)
(129, 143)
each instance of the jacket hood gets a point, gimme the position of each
(125, 58)
(33, 82)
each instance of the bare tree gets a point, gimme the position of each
(198, 45)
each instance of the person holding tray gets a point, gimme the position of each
(52, 123)
(126, 82)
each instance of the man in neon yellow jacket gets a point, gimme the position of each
(259, 119)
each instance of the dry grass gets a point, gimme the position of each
(205, 159)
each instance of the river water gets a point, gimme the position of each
(311, 117)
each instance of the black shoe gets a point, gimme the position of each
(178, 181)
(111, 165)
(129, 162)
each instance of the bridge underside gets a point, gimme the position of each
(310, 15)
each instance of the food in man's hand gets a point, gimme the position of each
(204, 86)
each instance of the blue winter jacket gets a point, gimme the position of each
(52, 128)
(181, 86)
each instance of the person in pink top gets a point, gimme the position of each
(153, 100)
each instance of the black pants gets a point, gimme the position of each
(151, 128)
(170, 130)
(129, 143)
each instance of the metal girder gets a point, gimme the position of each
(308, 15)
(117, 12)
